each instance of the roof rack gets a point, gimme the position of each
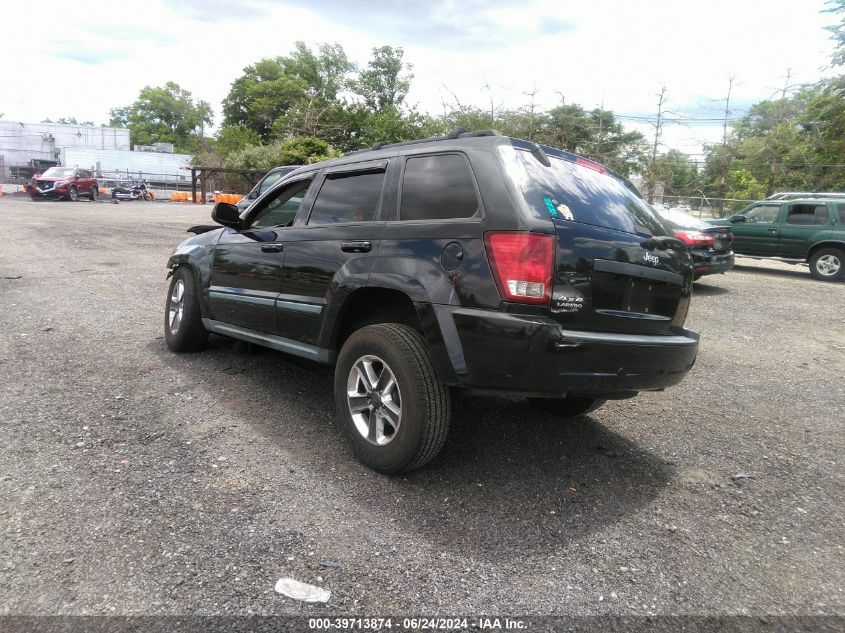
(456, 133)
(791, 195)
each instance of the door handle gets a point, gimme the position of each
(356, 247)
(272, 248)
(773, 231)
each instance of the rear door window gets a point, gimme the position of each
(348, 197)
(807, 214)
(568, 191)
(437, 187)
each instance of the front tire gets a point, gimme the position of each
(73, 194)
(568, 407)
(828, 264)
(94, 193)
(183, 329)
(391, 406)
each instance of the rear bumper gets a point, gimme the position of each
(705, 263)
(536, 356)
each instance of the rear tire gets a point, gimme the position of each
(568, 407)
(390, 404)
(828, 264)
(94, 193)
(183, 328)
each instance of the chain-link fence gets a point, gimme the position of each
(163, 184)
(704, 207)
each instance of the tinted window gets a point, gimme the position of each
(569, 191)
(268, 181)
(807, 214)
(347, 198)
(437, 188)
(281, 209)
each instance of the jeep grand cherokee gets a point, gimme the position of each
(470, 261)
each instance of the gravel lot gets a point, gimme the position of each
(136, 481)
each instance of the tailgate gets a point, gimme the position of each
(612, 281)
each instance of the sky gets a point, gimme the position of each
(616, 54)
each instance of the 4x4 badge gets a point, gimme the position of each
(651, 259)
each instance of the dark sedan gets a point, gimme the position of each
(709, 246)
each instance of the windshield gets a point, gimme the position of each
(58, 172)
(569, 191)
(679, 220)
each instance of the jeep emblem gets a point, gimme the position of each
(651, 259)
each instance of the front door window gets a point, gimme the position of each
(763, 214)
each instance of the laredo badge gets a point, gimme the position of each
(567, 304)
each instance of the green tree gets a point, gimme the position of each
(234, 138)
(300, 90)
(385, 82)
(838, 30)
(678, 172)
(165, 114)
(294, 151)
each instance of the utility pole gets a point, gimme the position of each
(786, 85)
(723, 177)
(600, 136)
(533, 105)
(562, 135)
(658, 130)
(492, 109)
(773, 166)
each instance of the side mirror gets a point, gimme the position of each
(226, 214)
(736, 218)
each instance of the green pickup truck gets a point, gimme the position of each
(795, 228)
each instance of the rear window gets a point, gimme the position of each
(569, 191)
(807, 214)
(438, 187)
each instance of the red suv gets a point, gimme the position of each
(63, 182)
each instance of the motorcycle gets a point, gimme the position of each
(135, 191)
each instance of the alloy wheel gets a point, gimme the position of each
(374, 400)
(176, 307)
(828, 265)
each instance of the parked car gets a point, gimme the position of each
(708, 245)
(63, 182)
(804, 228)
(267, 181)
(471, 261)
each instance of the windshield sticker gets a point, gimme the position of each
(565, 212)
(557, 209)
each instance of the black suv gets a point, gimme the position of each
(472, 260)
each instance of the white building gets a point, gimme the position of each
(104, 150)
(21, 143)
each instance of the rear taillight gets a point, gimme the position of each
(522, 265)
(695, 238)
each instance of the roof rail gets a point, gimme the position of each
(791, 195)
(456, 133)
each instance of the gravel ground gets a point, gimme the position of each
(135, 481)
